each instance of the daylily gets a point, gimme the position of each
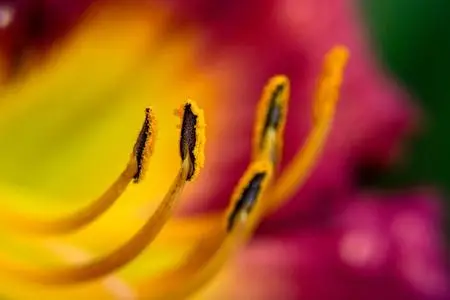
(68, 125)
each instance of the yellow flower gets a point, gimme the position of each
(68, 127)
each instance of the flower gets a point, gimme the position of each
(68, 124)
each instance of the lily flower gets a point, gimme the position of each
(71, 112)
(211, 249)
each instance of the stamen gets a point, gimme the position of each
(324, 108)
(128, 251)
(192, 137)
(248, 202)
(134, 171)
(210, 254)
(271, 119)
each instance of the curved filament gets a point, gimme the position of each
(121, 256)
(211, 253)
(134, 171)
(201, 264)
(75, 220)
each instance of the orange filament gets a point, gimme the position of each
(212, 252)
(134, 170)
(104, 265)
(128, 251)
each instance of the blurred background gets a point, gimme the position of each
(411, 39)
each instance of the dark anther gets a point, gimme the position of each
(188, 138)
(142, 142)
(274, 113)
(247, 200)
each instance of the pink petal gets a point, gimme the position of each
(35, 24)
(373, 247)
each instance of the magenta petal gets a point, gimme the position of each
(36, 24)
(373, 247)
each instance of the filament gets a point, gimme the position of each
(134, 171)
(101, 266)
(210, 254)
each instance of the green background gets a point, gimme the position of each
(412, 37)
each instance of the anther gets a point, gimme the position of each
(192, 137)
(271, 118)
(248, 192)
(247, 200)
(143, 148)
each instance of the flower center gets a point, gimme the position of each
(259, 192)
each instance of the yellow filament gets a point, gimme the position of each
(86, 215)
(209, 255)
(201, 264)
(75, 220)
(324, 107)
(109, 263)
(269, 144)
